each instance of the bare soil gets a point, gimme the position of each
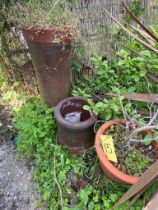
(16, 186)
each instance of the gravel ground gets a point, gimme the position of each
(16, 187)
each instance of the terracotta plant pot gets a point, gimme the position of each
(50, 52)
(109, 169)
(78, 134)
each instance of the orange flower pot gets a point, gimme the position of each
(109, 169)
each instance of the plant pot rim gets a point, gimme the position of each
(48, 35)
(78, 126)
(36, 29)
(109, 167)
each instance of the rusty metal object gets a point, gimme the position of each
(51, 51)
(77, 136)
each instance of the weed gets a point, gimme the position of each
(65, 181)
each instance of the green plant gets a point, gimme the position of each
(136, 162)
(77, 91)
(78, 56)
(37, 139)
(36, 115)
(114, 76)
(139, 64)
(109, 108)
(40, 14)
(137, 8)
(65, 181)
(126, 75)
(106, 76)
(105, 108)
(150, 137)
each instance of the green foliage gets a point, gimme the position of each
(139, 65)
(37, 139)
(77, 91)
(150, 137)
(106, 109)
(78, 56)
(52, 163)
(83, 88)
(147, 139)
(110, 108)
(136, 8)
(40, 14)
(93, 198)
(36, 125)
(106, 75)
(127, 75)
(137, 162)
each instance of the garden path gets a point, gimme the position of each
(16, 187)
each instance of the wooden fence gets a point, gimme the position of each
(98, 32)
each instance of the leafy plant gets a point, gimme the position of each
(36, 115)
(37, 139)
(105, 108)
(59, 175)
(138, 65)
(106, 76)
(40, 14)
(78, 56)
(137, 8)
(108, 108)
(152, 136)
(77, 91)
(136, 162)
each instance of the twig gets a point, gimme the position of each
(139, 22)
(139, 130)
(123, 110)
(98, 121)
(141, 33)
(133, 51)
(56, 181)
(153, 119)
(144, 141)
(128, 31)
(125, 114)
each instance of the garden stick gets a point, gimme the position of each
(139, 22)
(128, 31)
(148, 98)
(56, 181)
